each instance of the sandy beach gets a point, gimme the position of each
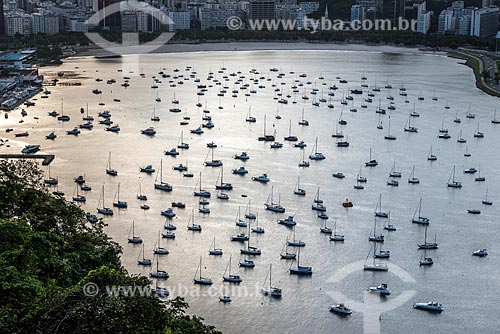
(253, 46)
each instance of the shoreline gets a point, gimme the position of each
(96, 51)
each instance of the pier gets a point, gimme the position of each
(47, 158)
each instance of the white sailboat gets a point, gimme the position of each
(378, 209)
(231, 278)
(162, 185)
(109, 170)
(299, 191)
(412, 179)
(428, 245)
(417, 216)
(102, 209)
(200, 279)
(270, 290)
(316, 155)
(271, 206)
(452, 183)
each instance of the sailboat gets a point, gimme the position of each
(240, 222)
(300, 270)
(412, 179)
(200, 279)
(375, 266)
(285, 255)
(408, 127)
(271, 206)
(294, 242)
(452, 183)
(162, 185)
(393, 172)
(103, 209)
(182, 145)
(495, 120)
(290, 137)
(201, 192)
(159, 250)
(389, 136)
(303, 121)
(417, 216)
(118, 203)
(258, 229)
(371, 162)
(132, 238)
(378, 209)
(428, 245)
(154, 117)
(265, 136)
(299, 191)
(77, 197)
(222, 185)
(213, 162)
(140, 196)
(479, 178)
(141, 260)
(63, 118)
(159, 274)
(478, 134)
(248, 212)
(193, 227)
(318, 203)
(50, 180)
(316, 155)
(336, 237)
(304, 163)
(461, 139)
(250, 118)
(375, 237)
(271, 291)
(486, 201)
(109, 170)
(230, 277)
(213, 250)
(87, 117)
(431, 156)
(250, 250)
(425, 260)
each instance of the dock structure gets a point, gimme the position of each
(47, 158)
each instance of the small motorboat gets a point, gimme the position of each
(347, 203)
(381, 289)
(261, 178)
(480, 252)
(243, 156)
(338, 175)
(429, 306)
(340, 309)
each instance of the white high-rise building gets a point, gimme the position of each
(44, 24)
(179, 20)
(484, 22)
(357, 13)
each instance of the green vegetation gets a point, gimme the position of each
(49, 251)
(473, 63)
(403, 38)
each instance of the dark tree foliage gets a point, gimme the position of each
(49, 251)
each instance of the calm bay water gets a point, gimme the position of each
(465, 284)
